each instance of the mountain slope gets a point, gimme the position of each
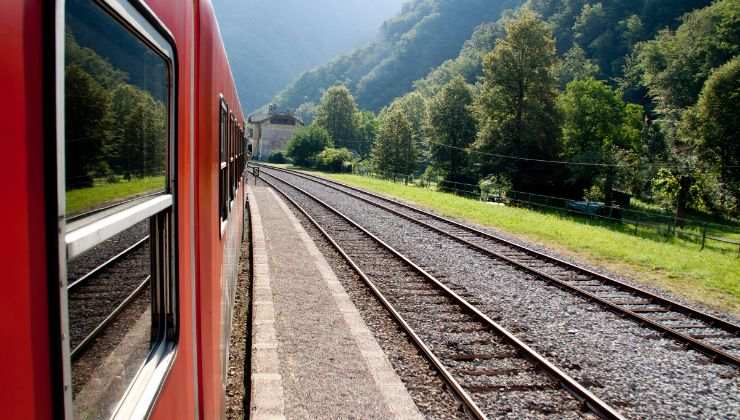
(420, 48)
(271, 42)
(423, 36)
(606, 30)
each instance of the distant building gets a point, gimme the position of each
(270, 132)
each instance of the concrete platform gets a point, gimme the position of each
(312, 354)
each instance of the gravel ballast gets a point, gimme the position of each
(239, 345)
(426, 388)
(630, 367)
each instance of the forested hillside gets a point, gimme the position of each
(423, 36)
(593, 37)
(270, 43)
(593, 99)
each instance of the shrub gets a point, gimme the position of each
(277, 157)
(494, 187)
(595, 193)
(335, 160)
(307, 143)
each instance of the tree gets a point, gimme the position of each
(366, 130)
(336, 114)
(394, 152)
(139, 143)
(87, 59)
(87, 128)
(453, 129)
(277, 157)
(575, 66)
(715, 123)
(306, 143)
(674, 68)
(334, 160)
(594, 131)
(414, 106)
(675, 65)
(516, 107)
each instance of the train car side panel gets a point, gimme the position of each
(25, 333)
(214, 88)
(179, 393)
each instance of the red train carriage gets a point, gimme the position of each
(124, 154)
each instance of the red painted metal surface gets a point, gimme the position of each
(213, 79)
(24, 330)
(178, 397)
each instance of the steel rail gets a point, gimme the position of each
(105, 265)
(712, 352)
(578, 391)
(77, 351)
(677, 306)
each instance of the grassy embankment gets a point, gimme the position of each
(711, 276)
(84, 199)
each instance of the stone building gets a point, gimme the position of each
(271, 131)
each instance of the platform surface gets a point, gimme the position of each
(312, 354)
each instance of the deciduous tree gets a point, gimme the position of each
(715, 123)
(453, 129)
(366, 131)
(88, 126)
(593, 132)
(394, 152)
(306, 143)
(336, 114)
(516, 108)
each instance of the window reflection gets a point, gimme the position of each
(116, 150)
(110, 319)
(115, 113)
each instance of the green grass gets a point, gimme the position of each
(717, 226)
(81, 200)
(711, 276)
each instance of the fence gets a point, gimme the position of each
(704, 233)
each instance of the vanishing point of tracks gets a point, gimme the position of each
(476, 356)
(714, 337)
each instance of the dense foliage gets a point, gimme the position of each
(338, 123)
(336, 114)
(277, 157)
(307, 143)
(334, 160)
(423, 36)
(516, 105)
(394, 151)
(113, 128)
(452, 130)
(596, 129)
(582, 98)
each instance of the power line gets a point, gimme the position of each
(546, 161)
(558, 162)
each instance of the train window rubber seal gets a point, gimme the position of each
(141, 394)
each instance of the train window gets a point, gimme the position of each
(119, 231)
(223, 165)
(232, 159)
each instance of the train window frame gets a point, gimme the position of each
(223, 208)
(232, 135)
(74, 238)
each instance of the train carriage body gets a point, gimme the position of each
(136, 100)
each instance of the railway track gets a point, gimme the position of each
(714, 337)
(492, 372)
(102, 293)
